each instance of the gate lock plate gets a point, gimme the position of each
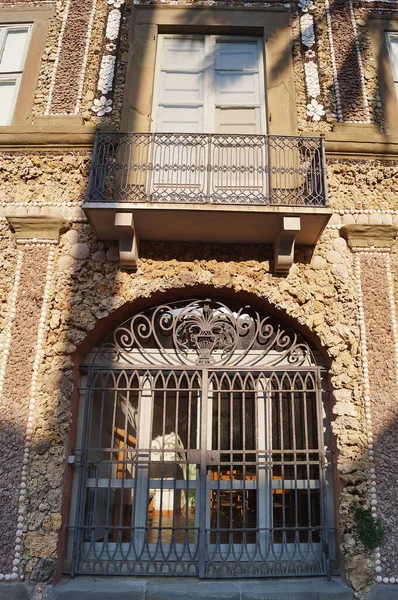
(212, 457)
(194, 457)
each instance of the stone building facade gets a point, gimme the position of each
(72, 269)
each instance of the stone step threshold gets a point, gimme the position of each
(118, 588)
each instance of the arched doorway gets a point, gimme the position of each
(202, 448)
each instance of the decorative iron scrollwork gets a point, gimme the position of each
(208, 168)
(205, 332)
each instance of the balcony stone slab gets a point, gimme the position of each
(210, 224)
(211, 188)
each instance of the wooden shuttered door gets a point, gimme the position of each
(209, 84)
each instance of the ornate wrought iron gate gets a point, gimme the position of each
(202, 449)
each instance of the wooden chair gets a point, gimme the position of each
(223, 500)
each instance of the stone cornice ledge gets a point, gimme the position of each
(384, 147)
(66, 132)
(360, 141)
(22, 139)
(38, 227)
(369, 236)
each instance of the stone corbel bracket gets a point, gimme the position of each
(128, 242)
(369, 236)
(38, 227)
(285, 243)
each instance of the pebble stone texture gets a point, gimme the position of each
(89, 285)
(384, 398)
(320, 291)
(348, 69)
(14, 401)
(8, 254)
(67, 78)
(26, 177)
(363, 185)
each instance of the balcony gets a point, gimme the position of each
(208, 188)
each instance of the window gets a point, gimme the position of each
(214, 38)
(214, 85)
(14, 40)
(392, 41)
(209, 84)
(23, 35)
(384, 37)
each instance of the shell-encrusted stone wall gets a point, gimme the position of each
(363, 185)
(370, 78)
(8, 255)
(319, 292)
(83, 66)
(44, 178)
(53, 295)
(49, 58)
(384, 399)
(15, 394)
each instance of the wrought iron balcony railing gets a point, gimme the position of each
(208, 169)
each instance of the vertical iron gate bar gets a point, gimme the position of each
(322, 474)
(203, 503)
(79, 523)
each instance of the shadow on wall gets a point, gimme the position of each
(85, 299)
(348, 70)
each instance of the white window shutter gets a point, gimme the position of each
(8, 92)
(13, 49)
(238, 96)
(209, 84)
(180, 85)
(394, 55)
